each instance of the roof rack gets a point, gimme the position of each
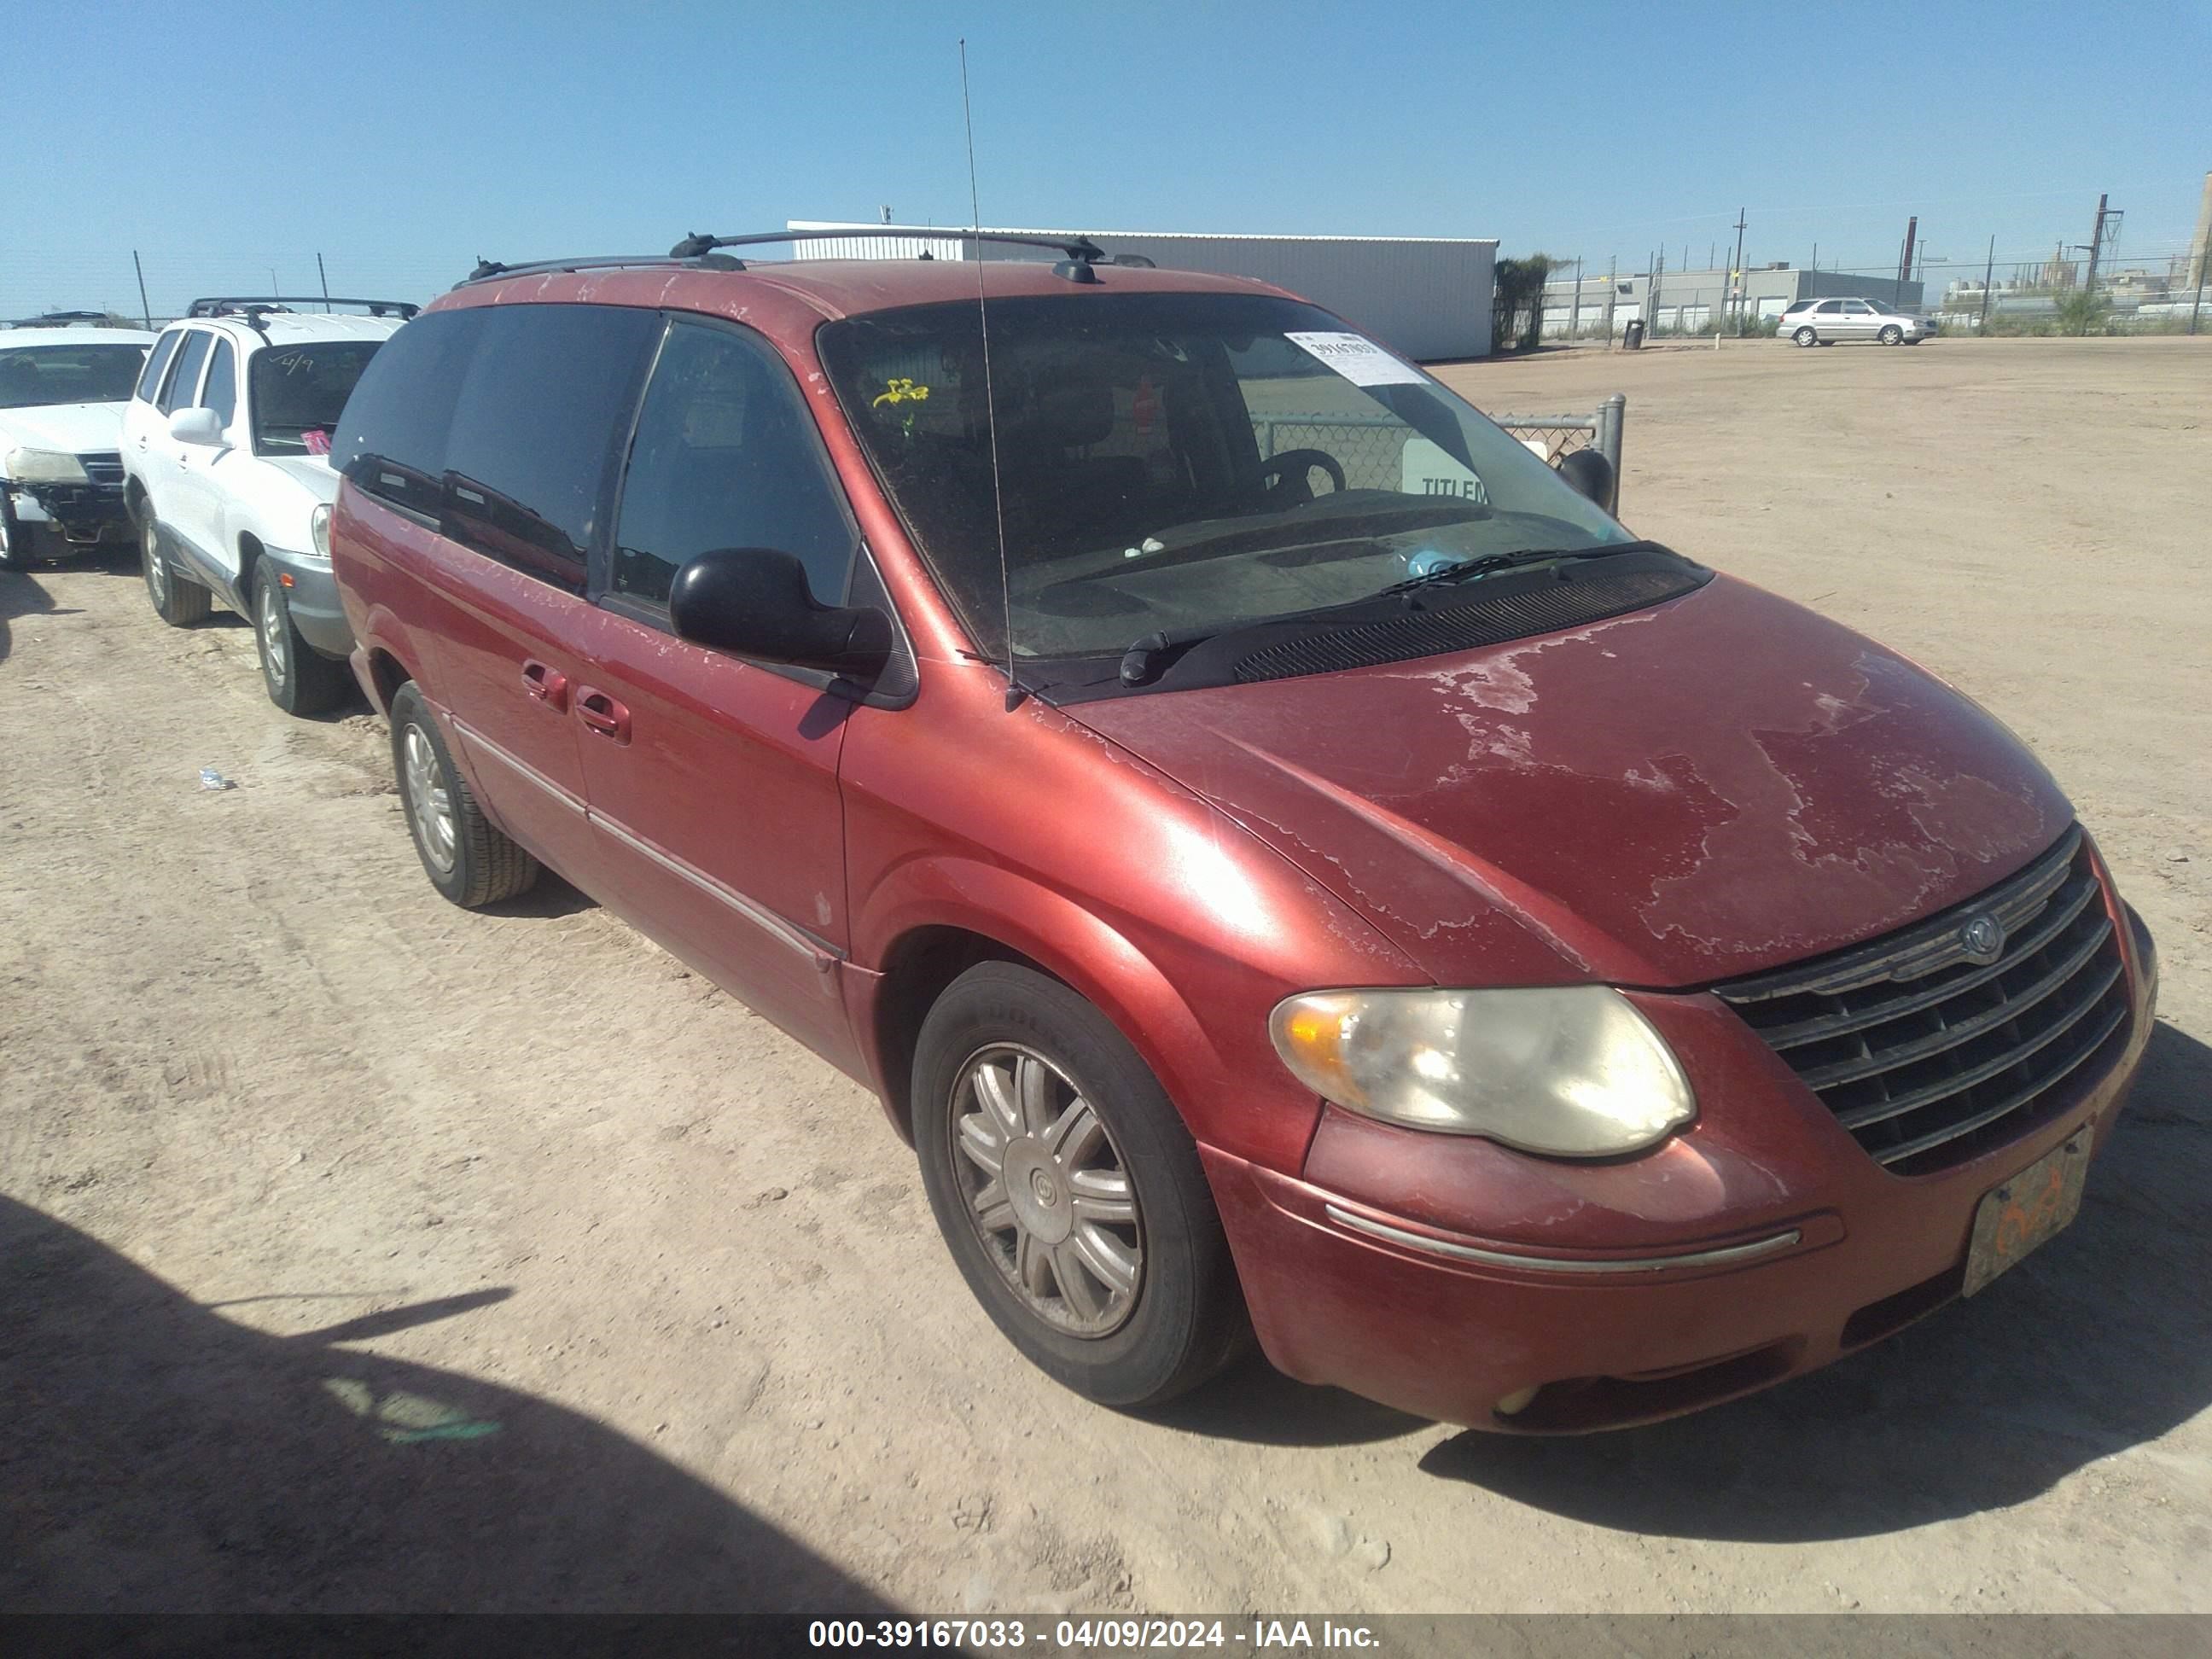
(699, 253)
(243, 305)
(60, 319)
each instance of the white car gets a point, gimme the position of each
(64, 379)
(225, 448)
(1824, 322)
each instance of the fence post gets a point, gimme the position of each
(1610, 414)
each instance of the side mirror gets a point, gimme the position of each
(196, 426)
(755, 602)
(1588, 473)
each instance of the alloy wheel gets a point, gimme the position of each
(429, 801)
(275, 636)
(1046, 1190)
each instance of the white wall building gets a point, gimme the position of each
(1426, 298)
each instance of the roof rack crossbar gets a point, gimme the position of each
(1080, 249)
(220, 305)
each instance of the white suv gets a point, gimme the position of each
(64, 380)
(1824, 322)
(225, 448)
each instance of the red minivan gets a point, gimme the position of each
(1287, 860)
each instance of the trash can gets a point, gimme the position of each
(1631, 337)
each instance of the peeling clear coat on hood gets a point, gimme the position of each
(1717, 785)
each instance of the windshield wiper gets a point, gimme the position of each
(1469, 569)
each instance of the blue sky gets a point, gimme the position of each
(402, 141)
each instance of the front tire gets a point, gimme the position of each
(467, 857)
(300, 679)
(177, 601)
(1070, 1192)
(1805, 336)
(1892, 336)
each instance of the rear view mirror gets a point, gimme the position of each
(755, 603)
(1588, 473)
(196, 426)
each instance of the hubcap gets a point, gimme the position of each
(276, 647)
(1046, 1191)
(428, 801)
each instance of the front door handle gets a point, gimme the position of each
(546, 683)
(603, 714)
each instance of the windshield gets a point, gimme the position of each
(32, 376)
(1178, 463)
(300, 391)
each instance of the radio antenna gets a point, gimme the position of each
(1014, 693)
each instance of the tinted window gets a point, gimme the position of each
(726, 455)
(392, 435)
(156, 361)
(300, 392)
(221, 394)
(1829, 307)
(1857, 307)
(185, 376)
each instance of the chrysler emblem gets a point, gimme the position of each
(1983, 939)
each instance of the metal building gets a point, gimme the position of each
(1688, 299)
(1426, 298)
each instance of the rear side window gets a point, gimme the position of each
(536, 432)
(184, 377)
(391, 436)
(156, 361)
(726, 455)
(221, 394)
(1830, 308)
(506, 423)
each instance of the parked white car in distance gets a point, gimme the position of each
(225, 447)
(65, 380)
(1825, 321)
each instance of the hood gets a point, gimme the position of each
(311, 473)
(74, 428)
(1718, 785)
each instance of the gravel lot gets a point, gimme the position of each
(358, 1252)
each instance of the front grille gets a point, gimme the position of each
(104, 467)
(1930, 1056)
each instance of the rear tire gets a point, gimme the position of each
(177, 601)
(1805, 336)
(466, 856)
(300, 679)
(1124, 1189)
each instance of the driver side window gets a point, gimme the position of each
(726, 455)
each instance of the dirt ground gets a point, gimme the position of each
(358, 1252)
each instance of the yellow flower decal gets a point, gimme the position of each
(901, 391)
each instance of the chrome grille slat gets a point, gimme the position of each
(2047, 928)
(1927, 1056)
(1952, 1037)
(1901, 1105)
(1935, 1138)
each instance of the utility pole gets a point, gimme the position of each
(1736, 275)
(1988, 271)
(1612, 289)
(1815, 266)
(1905, 260)
(146, 311)
(2197, 305)
(325, 277)
(1651, 304)
(1575, 315)
(2096, 242)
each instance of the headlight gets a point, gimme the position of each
(1569, 1072)
(45, 466)
(318, 530)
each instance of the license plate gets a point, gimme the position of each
(2034, 1206)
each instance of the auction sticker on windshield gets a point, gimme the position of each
(1358, 358)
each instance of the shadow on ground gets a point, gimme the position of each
(2100, 1342)
(22, 595)
(1253, 1402)
(158, 1456)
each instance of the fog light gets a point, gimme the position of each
(1516, 1402)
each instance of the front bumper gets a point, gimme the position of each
(1443, 1276)
(311, 593)
(49, 520)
